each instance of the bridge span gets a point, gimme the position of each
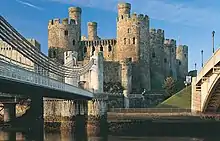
(206, 86)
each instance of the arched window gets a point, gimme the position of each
(66, 32)
(122, 17)
(129, 41)
(172, 49)
(93, 50)
(109, 48)
(125, 41)
(134, 40)
(54, 54)
(101, 48)
(153, 54)
(129, 30)
(85, 49)
(185, 55)
(179, 63)
(74, 42)
(165, 60)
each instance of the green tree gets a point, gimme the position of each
(169, 86)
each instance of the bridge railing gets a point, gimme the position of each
(149, 110)
(16, 73)
(210, 64)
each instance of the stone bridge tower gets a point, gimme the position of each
(133, 42)
(64, 36)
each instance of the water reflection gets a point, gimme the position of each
(59, 136)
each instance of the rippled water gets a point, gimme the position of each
(12, 136)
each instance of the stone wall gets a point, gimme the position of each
(112, 71)
(107, 46)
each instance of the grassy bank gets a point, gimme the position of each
(182, 100)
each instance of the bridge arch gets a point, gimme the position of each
(206, 86)
(212, 100)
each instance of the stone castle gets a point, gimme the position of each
(138, 58)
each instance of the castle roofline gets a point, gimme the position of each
(75, 9)
(122, 5)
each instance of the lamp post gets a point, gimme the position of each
(195, 66)
(202, 57)
(213, 46)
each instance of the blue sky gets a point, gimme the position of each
(191, 22)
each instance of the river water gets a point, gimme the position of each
(13, 136)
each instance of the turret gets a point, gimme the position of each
(124, 10)
(92, 31)
(75, 14)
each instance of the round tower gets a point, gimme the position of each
(182, 60)
(170, 55)
(75, 14)
(92, 31)
(124, 9)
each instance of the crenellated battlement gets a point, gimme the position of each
(182, 48)
(124, 6)
(92, 23)
(65, 21)
(157, 31)
(137, 18)
(75, 9)
(102, 42)
(170, 42)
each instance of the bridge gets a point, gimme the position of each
(45, 79)
(206, 87)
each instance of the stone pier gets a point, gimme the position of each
(64, 115)
(97, 117)
(9, 112)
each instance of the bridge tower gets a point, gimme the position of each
(126, 73)
(96, 74)
(70, 60)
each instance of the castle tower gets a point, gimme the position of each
(170, 58)
(75, 14)
(92, 31)
(157, 57)
(64, 36)
(182, 60)
(124, 10)
(133, 42)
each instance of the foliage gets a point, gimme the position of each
(112, 87)
(171, 86)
